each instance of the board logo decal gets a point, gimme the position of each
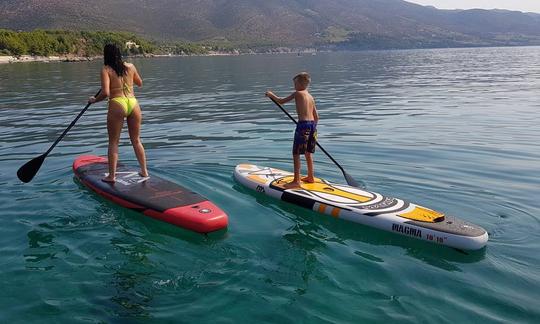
(128, 177)
(385, 203)
(406, 230)
(394, 210)
(260, 189)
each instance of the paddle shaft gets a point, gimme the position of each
(316, 142)
(27, 172)
(70, 125)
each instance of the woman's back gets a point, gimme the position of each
(122, 86)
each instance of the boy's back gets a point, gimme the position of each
(305, 106)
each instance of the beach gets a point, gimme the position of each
(5, 59)
(45, 59)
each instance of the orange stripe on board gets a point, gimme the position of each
(257, 179)
(322, 208)
(335, 212)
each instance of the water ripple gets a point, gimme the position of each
(453, 129)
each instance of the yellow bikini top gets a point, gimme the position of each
(126, 89)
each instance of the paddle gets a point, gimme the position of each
(27, 172)
(348, 178)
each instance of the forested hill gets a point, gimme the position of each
(339, 23)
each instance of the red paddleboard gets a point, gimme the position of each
(153, 196)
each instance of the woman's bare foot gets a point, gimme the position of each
(144, 174)
(308, 179)
(292, 185)
(109, 179)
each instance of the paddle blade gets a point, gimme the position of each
(350, 181)
(27, 172)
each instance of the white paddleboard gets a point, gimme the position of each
(365, 207)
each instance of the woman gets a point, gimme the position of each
(117, 79)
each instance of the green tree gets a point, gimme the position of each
(13, 45)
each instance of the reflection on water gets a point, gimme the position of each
(131, 291)
(455, 130)
(41, 251)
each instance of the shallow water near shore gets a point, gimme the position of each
(456, 130)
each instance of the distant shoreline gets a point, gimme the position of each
(45, 59)
(72, 58)
(7, 59)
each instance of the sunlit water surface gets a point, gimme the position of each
(456, 130)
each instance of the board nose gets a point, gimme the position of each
(87, 159)
(202, 217)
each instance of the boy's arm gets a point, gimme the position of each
(279, 100)
(315, 113)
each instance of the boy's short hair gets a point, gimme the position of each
(303, 78)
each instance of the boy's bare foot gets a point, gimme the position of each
(108, 179)
(292, 185)
(308, 179)
(144, 174)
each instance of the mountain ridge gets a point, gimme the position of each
(302, 23)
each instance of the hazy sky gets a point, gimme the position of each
(521, 5)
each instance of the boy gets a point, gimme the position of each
(305, 135)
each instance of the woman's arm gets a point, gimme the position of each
(136, 77)
(105, 87)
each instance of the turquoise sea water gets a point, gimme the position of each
(456, 130)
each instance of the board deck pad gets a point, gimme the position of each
(152, 192)
(348, 195)
(152, 195)
(366, 207)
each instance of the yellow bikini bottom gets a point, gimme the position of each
(128, 103)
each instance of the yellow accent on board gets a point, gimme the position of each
(424, 215)
(320, 186)
(258, 179)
